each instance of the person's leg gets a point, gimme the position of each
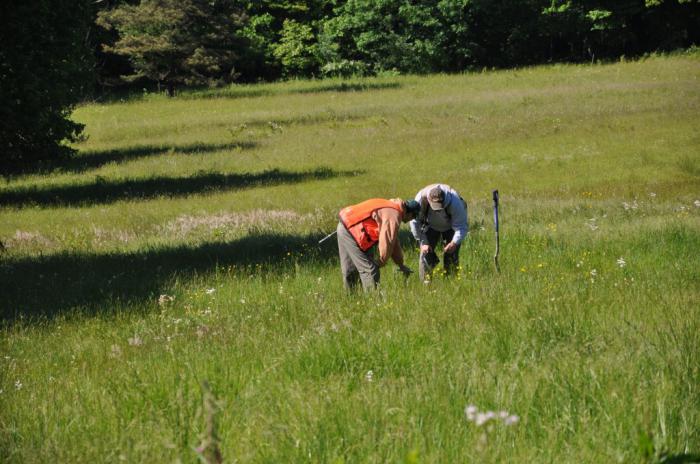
(427, 261)
(354, 261)
(367, 267)
(450, 260)
(347, 268)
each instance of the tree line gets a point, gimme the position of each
(56, 52)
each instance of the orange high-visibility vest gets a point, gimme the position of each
(359, 222)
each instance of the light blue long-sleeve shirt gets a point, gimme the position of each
(453, 216)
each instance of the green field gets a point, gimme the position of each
(180, 248)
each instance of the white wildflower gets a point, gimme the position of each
(369, 376)
(135, 341)
(621, 261)
(242, 300)
(484, 417)
(209, 291)
(481, 418)
(163, 299)
(697, 203)
(652, 194)
(470, 411)
(594, 272)
(18, 385)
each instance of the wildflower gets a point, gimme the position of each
(163, 299)
(481, 418)
(594, 272)
(628, 206)
(697, 203)
(470, 411)
(652, 194)
(115, 352)
(18, 385)
(209, 291)
(135, 341)
(369, 376)
(621, 261)
(242, 300)
(484, 417)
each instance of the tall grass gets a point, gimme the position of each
(164, 297)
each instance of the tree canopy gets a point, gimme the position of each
(291, 38)
(47, 60)
(45, 69)
(178, 42)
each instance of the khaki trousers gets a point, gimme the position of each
(355, 264)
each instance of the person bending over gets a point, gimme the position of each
(442, 218)
(364, 225)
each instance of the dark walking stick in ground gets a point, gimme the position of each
(495, 223)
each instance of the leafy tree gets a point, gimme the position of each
(45, 69)
(258, 59)
(176, 42)
(297, 50)
(385, 34)
(284, 37)
(489, 33)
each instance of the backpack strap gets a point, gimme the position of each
(423, 214)
(449, 213)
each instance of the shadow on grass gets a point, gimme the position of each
(91, 159)
(680, 459)
(349, 87)
(252, 92)
(92, 284)
(106, 191)
(47, 286)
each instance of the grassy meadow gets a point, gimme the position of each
(163, 297)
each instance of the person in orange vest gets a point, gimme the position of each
(361, 226)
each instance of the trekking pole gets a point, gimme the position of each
(495, 223)
(327, 237)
